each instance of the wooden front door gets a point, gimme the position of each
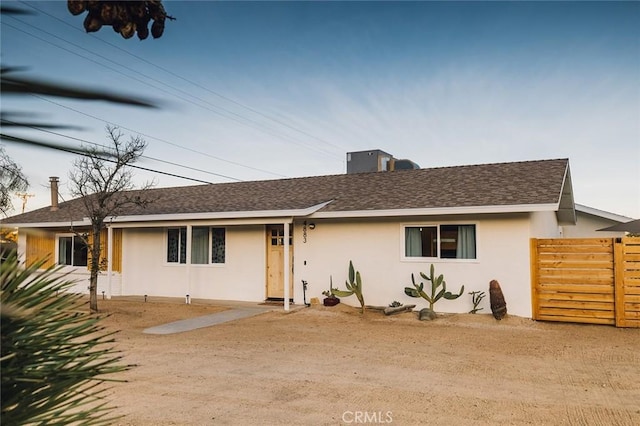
(275, 262)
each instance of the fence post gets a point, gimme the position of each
(534, 278)
(618, 278)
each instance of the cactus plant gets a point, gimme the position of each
(436, 282)
(354, 286)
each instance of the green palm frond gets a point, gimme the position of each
(55, 354)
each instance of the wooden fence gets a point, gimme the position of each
(587, 280)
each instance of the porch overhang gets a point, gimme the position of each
(227, 217)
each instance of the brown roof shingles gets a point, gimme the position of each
(500, 184)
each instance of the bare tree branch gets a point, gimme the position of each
(105, 186)
(11, 180)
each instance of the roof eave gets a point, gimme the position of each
(66, 224)
(436, 211)
(566, 208)
(603, 214)
(177, 217)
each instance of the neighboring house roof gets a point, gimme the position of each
(601, 213)
(500, 187)
(632, 226)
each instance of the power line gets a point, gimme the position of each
(142, 156)
(249, 122)
(158, 139)
(16, 139)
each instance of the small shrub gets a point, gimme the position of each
(476, 298)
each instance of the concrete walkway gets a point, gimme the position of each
(207, 320)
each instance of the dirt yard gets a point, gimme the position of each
(330, 366)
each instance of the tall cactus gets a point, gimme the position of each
(436, 282)
(354, 286)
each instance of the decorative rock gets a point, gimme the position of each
(498, 304)
(426, 314)
(330, 301)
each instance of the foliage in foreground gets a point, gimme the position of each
(54, 353)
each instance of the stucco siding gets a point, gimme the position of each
(376, 250)
(587, 227)
(545, 225)
(241, 277)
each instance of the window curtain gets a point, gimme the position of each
(64, 251)
(218, 245)
(200, 245)
(173, 240)
(466, 248)
(412, 242)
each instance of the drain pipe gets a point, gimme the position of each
(304, 293)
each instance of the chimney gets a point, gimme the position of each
(53, 180)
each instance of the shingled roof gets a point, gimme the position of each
(530, 183)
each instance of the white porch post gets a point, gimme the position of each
(188, 265)
(287, 266)
(109, 259)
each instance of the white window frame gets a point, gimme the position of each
(210, 263)
(166, 246)
(189, 240)
(437, 258)
(57, 251)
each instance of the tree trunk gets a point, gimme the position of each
(95, 269)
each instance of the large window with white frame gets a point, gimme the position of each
(208, 245)
(177, 245)
(72, 250)
(440, 241)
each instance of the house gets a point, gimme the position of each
(245, 240)
(590, 220)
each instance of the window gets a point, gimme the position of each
(207, 245)
(72, 251)
(177, 245)
(440, 241)
(277, 236)
(199, 245)
(218, 245)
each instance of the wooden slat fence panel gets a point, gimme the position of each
(573, 280)
(628, 282)
(590, 280)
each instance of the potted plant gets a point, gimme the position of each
(330, 298)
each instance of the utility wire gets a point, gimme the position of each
(249, 122)
(79, 151)
(221, 96)
(157, 139)
(142, 156)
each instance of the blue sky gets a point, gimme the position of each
(282, 89)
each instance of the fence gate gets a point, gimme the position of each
(586, 280)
